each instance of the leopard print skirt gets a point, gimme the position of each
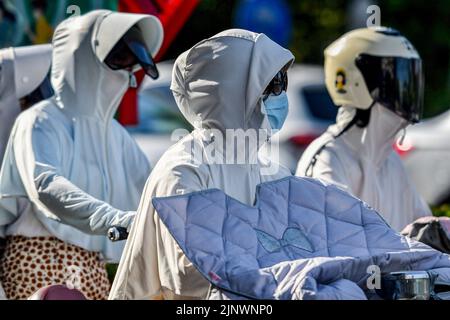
(29, 264)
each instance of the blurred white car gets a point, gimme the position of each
(426, 154)
(311, 112)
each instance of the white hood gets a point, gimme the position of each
(22, 70)
(375, 141)
(218, 92)
(31, 66)
(68, 151)
(80, 46)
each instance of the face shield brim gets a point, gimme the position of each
(144, 58)
(131, 51)
(396, 83)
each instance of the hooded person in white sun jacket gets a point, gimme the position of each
(235, 80)
(375, 76)
(70, 170)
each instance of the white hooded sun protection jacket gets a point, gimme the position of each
(219, 81)
(363, 162)
(69, 163)
(22, 70)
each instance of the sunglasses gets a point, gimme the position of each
(129, 52)
(121, 57)
(278, 84)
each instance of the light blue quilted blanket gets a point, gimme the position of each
(303, 239)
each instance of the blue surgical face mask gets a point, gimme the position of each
(277, 108)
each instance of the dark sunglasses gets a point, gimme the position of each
(128, 53)
(278, 84)
(121, 57)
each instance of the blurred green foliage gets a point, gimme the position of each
(442, 211)
(319, 22)
(316, 25)
(111, 269)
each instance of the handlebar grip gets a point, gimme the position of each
(117, 234)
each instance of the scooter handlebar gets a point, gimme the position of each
(116, 234)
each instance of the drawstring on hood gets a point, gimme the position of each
(133, 80)
(401, 139)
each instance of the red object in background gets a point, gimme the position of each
(403, 151)
(138, 6)
(304, 140)
(173, 14)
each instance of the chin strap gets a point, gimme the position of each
(401, 139)
(364, 136)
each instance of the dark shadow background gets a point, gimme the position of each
(316, 23)
(319, 22)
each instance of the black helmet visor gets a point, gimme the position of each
(396, 83)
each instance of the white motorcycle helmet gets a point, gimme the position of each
(376, 64)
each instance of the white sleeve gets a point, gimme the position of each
(65, 200)
(77, 208)
(152, 261)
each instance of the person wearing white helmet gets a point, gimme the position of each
(375, 77)
(70, 170)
